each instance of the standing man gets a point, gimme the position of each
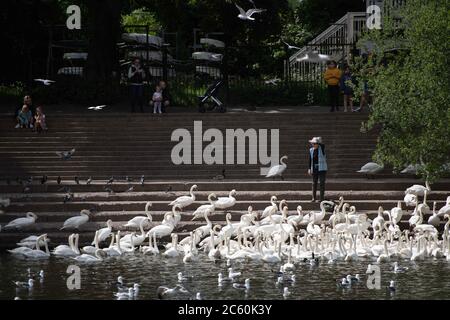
(317, 166)
(136, 76)
(332, 77)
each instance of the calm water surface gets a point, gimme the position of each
(424, 280)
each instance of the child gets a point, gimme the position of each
(332, 77)
(40, 120)
(346, 84)
(157, 100)
(25, 118)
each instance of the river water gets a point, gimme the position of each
(428, 279)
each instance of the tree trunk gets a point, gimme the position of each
(103, 32)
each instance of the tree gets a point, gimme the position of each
(410, 85)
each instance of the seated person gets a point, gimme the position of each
(40, 123)
(165, 96)
(25, 118)
(29, 102)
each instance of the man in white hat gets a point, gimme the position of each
(317, 166)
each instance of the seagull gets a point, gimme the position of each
(28, 285)
(232, 275)
(88, 181)
(221, 279)
(314, 56)
(343, 283)
(97, 108)
(162, 291)
(65, 155)
(273, 81)
(248, 15)
(142, 180)
(391, 286)
(198, 296)
(46, 82)
(289, 46)
(182, 278)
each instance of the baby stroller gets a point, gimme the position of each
(209, 101)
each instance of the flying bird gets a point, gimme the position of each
(65, 155)
(314, 56)
(97, 108)
(46, 82)
(272, 81)
(290, 47)
(248, 15)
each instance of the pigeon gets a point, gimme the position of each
(130, 189)
(89, 180)
(27, 189)
(65, 155)
(44, 179)
(314, 56)
(58, 180)
(68, 197)
(128, 179)
(220, 176)
(77, 181)
(248, 15)
(97, 108)
(64, 189)
(109, 190)
(169, 189)
(142, 180)
(110, 181)
(46, 82)
(290, 47)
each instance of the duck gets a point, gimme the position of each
(185, 201)
(19, 223)
(76, 222)
(245, 285)
(136, 221)
(398, 269)
(226, 202)
(278, 170)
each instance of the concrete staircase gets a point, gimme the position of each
(119, 145)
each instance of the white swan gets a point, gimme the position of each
(30, 242)
(296, 219)
(199, 212)
(136, 221)
(137, 239)
(162, 230)
(104, 233)
(91, 249)
(38, 253)
(418, 189)
(21, 222)
(434, 219)
(371, 168)
(185, 201)
(272, 208)
(226, 202)
(152, 248)
(172, 252)
(65, 250)
(410, 200)
(445, 209)
(378, 222)
(203, 231)
(397, 213)
(76, 222)
(278, 169)
(97, 257)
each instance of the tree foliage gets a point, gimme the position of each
(408, 77)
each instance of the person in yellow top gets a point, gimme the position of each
(332, 77)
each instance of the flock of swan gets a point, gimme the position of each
(272, 236)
